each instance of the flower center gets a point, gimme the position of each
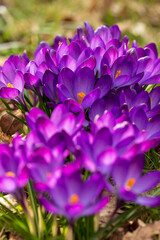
(80, 97)
(118, 73)
(74, 199)
(49, 174)
(130, 183)
(10, 174)
(10, 85)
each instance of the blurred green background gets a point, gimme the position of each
(23, 24)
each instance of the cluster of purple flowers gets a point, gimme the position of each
(102, 121)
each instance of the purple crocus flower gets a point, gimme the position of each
(12, 78)
(72, 198)
(13, 170)
(109, 140)
(148, 63)
(130, 183)
(59, 129)
(149, 126)
(43, 165)
(109, 102)
(149, 102)
(81, 86)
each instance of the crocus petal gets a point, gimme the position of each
(89, 99)
(92, 187)
(146, 182)
(89, 30)
(104, 32)
(66, 77)
(106, 159)
(40, 46)
(32, 117)
(153, 112)
(90, 63)
(139, 117)
(136, 166)
(152, 80)
(97, 108)
(103, 139)
(30, 79)
(18, 81)
(115, 31)
(85, 54)
(155, 96)
(23, 177)
(68, 124)
(9, 70)
(153, 127)
(74, 50)
(148, 201)
(62, 92)
(121, 80)
(49, 206)
(50, 63)
(145, 64)
(119, 171)
(67, 61)
(41, 70)
(96, 207)
(9, 93)
(97, 42)
(62, 50)
(73, 211)
(153, 47)
(104, 83)
(45, 128)
(126, 195)
(111, 55)
(49, 85)
(84, 81)
(8, 184)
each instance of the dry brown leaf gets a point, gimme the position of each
(12, 236)
(11, 125)
(5, 138)
(144, 233)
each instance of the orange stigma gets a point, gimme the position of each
(80, 97)
(74, 199)
(150, 100)
(49, 174)
(10, 174)
(118, 73)
(143, 130)
(130, 183)
(10, 85)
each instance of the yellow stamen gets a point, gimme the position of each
(130, 109)
(150, 100)
(59, 43)
(130, 183)
(118, 73)
(143, 130)
(74, 199)
(80, 97)
(10, 85)
(10, 174)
